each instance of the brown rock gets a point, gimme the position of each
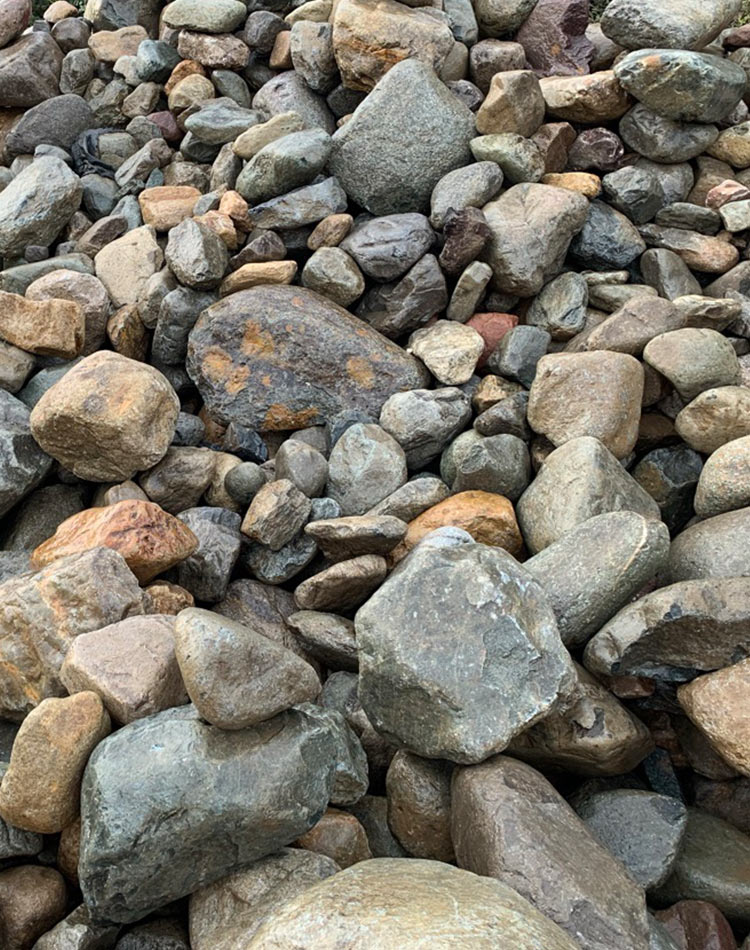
(223, 51)
(419, 805)
(47, 328)
(109, 45)
(701, 252)
(280, 56)
(107, 418)
(150, 540)
(715, 417)
(42, 614)
(167, 598)
(165, 206)
(718, 704)
(190, 90)
(188, 67)
(727, 800)
(41, 789)
(32, 900)
(348, 537)
(339, 836)
(84, 289)
(131, 665)
(554, 38)
(251, 275)
(635, 324)
(589, 99)
(342, 586)
(29, 70)
(222, 225)
(493, 389)
(488, 518)
(514, 103)
(595, 394)
(276, 514)
(697, 925)
(509, 823)
(330, 232)
(586, 184)
(127, 333)
(68, 850)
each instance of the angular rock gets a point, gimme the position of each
(423, 421)
(400, 307)
(29, 70)
(365, 466)
(197, 256)
(276, 514)
(386, 247)
(46, 328)
(560, 308)
(207, 571)
(23, 464)
(514, 103)
(326, 636)
(448, 349)
(469, 187)
(588, 99)
(37, 203)
(555, 40)
(126, 265)
(348, 537)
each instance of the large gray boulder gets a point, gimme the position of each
(671, 24)
(37, 204)
(23, 464)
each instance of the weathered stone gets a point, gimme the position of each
(589, 99)
(674, 24)
(46, 328)
(326, 636)
(386, 247)
(712, 548)
(16, 15)
(555, 39)
(332, 272)
(29, 70)
(339, 836)
(715, 417)
(23, 464)
(365, 466)
(469, 187)
(513, 103)
(37, 203)
(635, 324)
(125, 266)
(276, 514)
(413, 498)
(423, 421)
(33, 899)
(197, 256)
(419, 805)
(509, 823)
(723, 483)
(401, 306)
(665, 140)
(220, 16)
(520, 159)
(207, 571)
(696, 922)
(560, 308)
(448, 349)
(285, 163)
(347, 537)
(179, 480)
(85, 290)
(694, 360)
(607, 239)
(343, 586)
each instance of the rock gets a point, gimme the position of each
(37, 203)
(448, 349)
(673, 633)
(23, 464)
(639, 24)
(710, 866)
(399, 620)
(498, 17)
(220, 16)
(389, 169)
(588, 394)
(694, 360)
(393, 902)
(635, 324)
(284, 164)
(165, 207)
(665, 140)
(29, 70)
(555, 40)
(303, 465)
(518, 353)
(715, 417)
(466, 233)
(276, 514)
(47, 328)
(520, 159)
(595, 98)
(577, 481)
(33, 899)
(207, 571)
(235, 676)
(370, 38)
(711, 548)
(109, 45)
(57, 121)
(193, 786)
(85, 290)
(412, 499)
(150, 540)
(278, 324)
(78, 932)
(506, 816)
(365, 466)
(597, 567)
(423, 421)
(371, 812)
(658, 79)
(326, 636)
(332, 272)
(607, 239)
(130, 664)
(197, 256)
(126, 265)
(40, 790)
(560, 308)
(419, 805)
(715, 703)
(696, 921)
(514, 103)
(343, 586)
(16, 17)
(339, 836)
(498, 464)
(532, 227)
(386, 247)
(81, 421)
(399, 307)
(348, 537)
(469, 187)
(723, 481)
(641, 829)
(236, 907)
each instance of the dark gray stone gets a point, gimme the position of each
(397, 308)
(498, 464)
(23, 465)
(301, 207)
(668, 273)
(38, 517)
(469, 187)
(219, 121)
(665, 140)
(635, 192)
(198, 257)
(385, 248)
(517, 354)
(288, 92)
(283, 165)
(670, 475)
(57, 121)
(207, 571)
(506, 416)
(608, 240)
(560, 308)
(244, 481)
(178, 314)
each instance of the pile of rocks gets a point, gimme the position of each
(374, 475)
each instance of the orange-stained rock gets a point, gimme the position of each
(492, 327)
(45, 327)
(127, 333)
(188, 67)
(222, 225)
(583, 182)
(167, 598)
(233, 204)
(339, 836)
(150, 540)
(165, 206)
(488, 518)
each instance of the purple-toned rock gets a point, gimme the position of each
(554, 38)
(15, 16)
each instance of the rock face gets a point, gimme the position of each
(509, 823)
(463, 705)
(23, 465)
(108, 418)
(268, 328)
(387, 166)
(387, 902)
(29, 71)
(170, 804)
(674, 24)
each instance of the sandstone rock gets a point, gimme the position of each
(125, 265)
(513, 103)
(276, 514)
(85, 290)
(590, 99)
(109, 45)
(448, 349)
(47, 328)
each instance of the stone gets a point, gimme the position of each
(732, 146)
(150, 540)
(635, 192)
(696, 922)
(33, 900)
(81, 421)
(633, 325)
(288, 92)
(588, 394)
(234, 908)
(722, 485)
(711, 548)
(343, 586)
(401, 306)
(332, 272)
(37, 203)
(262, 787)
(196, 255)
(498, 464)
(560, 308)
(469, 187)
(23, 464)
(284, 164)
(670, 474)
(450, 350)
(125, 266)
(386, 170)
(15, 367)
(665, 140)
(694, 360)
(29, 70)
(109, 45)
(16, 17)
(412, 499)
(492, 327)
(520, 159)
(555, 39)
(642, 829)
(278, 324)
(391, 902)
(575, 871)
(674, 632)
(715, 417)
(596, 568)
(423, 421)
(399, 621)
(235, 676)
(327, 637)
(708, 254)
(207, 571)
(179, 480)
(85, 290)
(607, 239)
(532, 226)
(673, 24)
(40, 790)
(130, 664)
(419, 805)
(466, 233)
(498, 17)
(330, 232)
(57, 122)
(165, 207)
(276, 514)
(369, 39)
(221, 16)
(514, 103)
(339, 836)
(517, 355)
(715, 703)
(588, 99)
(385, 248)
(364, 467)
(301, 207)
(46, 328)
(303, 465)
(577, 481)
(348, 537)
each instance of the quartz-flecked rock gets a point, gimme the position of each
(267, 329)
(38, 203)
(445, 694)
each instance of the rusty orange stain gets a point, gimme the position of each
(256, 342)
(360, 370)
(279, 417)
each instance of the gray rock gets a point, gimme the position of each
(512, 666)
(517, 354)
(301, 207)
(355, 535)
(423, 421)
(385, 248)
(670, 475)
(577, 481)
(641, 829)
(154, 154)
(276, 514)
(283, 165)
(327, 637)
(37, 204)
(716, 547)
(219, 121)
(178, 313)
(342, 586)
(198, 257)
(166, 933)
(694, 360)
(333, 273)
(278, 567)
(506, 416)
(78, 931)
(560, 308)
(365, 466)
(634, 192)
(114, 14)
(180, 478)
(155, 60)
(409, 133)
(288, 92)
(312, 52)
(665, 140)
(498, 464)
(668, 273)
(659, 937)
(519, 158)
(13, 563)
(57, 121)
(499, 17)
(674, 24)
(405, 305)
(38, 517)
(17, 843)
(412, 498)
(23, 465)
(469, 187)
(244, 481)
(608, 240)
(302, 465)
(596, 568)
(207, 571)
(170, 804)
(371, 811)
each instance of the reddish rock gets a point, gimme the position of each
(32, 901)
(168, 125)
(339, 836)
(697, 925)
(492, 327)
(554, 38)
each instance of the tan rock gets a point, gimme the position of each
(276, 514)
(125, 265)
(130, 665)
(234, 205)
(317, 11)
(68, 850)
(419, 805)
(127, 333)
(250, 142)
(719, 704)
(32, 900)
(491, 390)
(190, 91)
(122, 491)
(216, 494)
(41, 789)
(488, 518)
(701, 252)
(84, 289)
(597, 394)
(107, 418)
(339, 836)
(715, 417)
(584, 183)
(167, 598)
(370, 37)
(150, 540)
(109, 45)
(724, 483)
(281, 54)
(188, 67)
(514, 103)
(733, 146)
(343, 586)
(250, 275)
(598, 97)
(45, 327)
(165, 206)
(59, 10)
(222, 225)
